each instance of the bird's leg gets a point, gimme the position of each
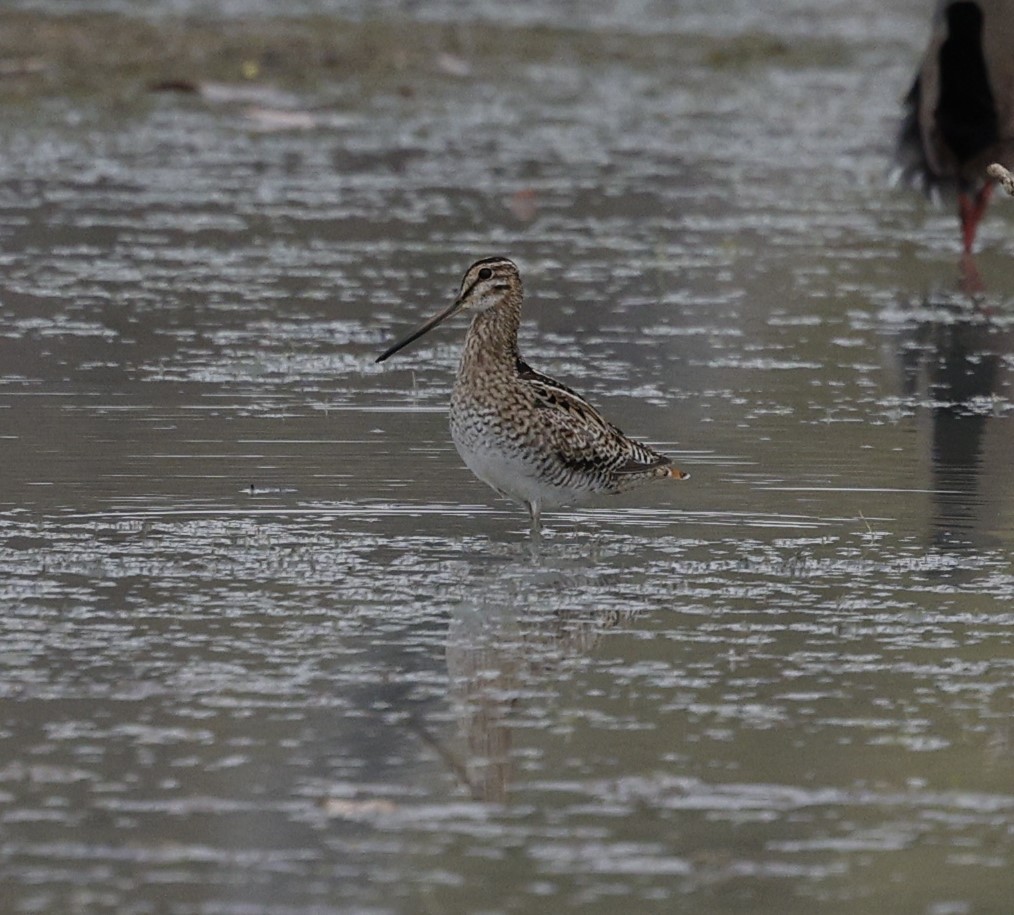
(972, 211)
(535, 541)
(533, 513)
(968, 227)
(971, 283)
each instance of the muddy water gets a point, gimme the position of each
(266, 644)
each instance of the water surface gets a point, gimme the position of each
(268, 647)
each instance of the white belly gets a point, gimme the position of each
(512, 476)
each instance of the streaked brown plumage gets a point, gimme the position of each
(531, 438)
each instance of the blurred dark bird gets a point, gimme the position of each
(959, 113)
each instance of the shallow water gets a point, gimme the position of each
(267, 646)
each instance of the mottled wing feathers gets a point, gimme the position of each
(579, 436)
(527, 373)
(635, 465)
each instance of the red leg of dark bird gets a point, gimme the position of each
(971, 280)
(982, 199)
(968, 225)
(971, 212)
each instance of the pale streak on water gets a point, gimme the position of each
(783, 686)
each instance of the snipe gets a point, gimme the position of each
(531, 438)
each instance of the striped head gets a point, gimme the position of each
(487, 283)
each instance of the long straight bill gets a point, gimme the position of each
(422, 329)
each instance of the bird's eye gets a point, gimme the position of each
(485, 273)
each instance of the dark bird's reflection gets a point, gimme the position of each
(955, 362)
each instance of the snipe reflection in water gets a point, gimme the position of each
(502, 653)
